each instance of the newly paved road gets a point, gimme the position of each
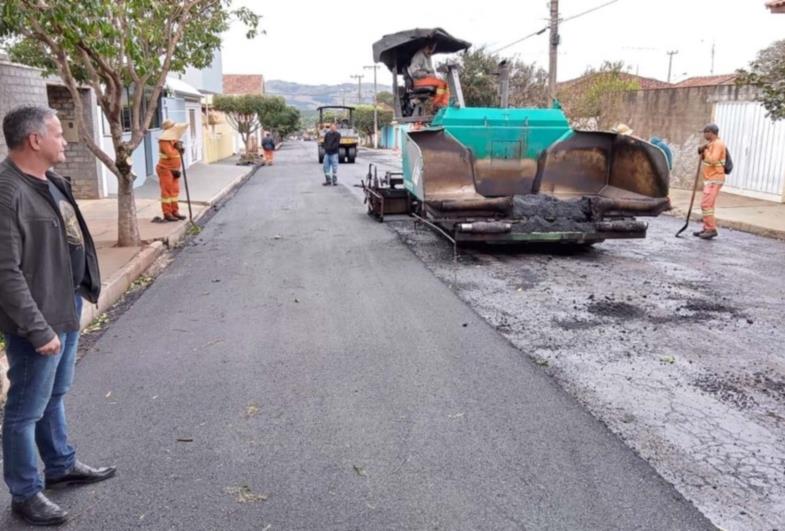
(298, 351)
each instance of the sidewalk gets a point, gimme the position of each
(120, 266)
(756, 216)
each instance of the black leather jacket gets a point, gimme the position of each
(36, 282)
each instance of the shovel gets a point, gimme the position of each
(188, 194)
(692, 199)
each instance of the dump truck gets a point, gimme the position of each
(343, 117)
(505, 175)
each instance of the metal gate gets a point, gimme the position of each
(757, 147)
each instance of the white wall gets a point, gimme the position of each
(208, 79)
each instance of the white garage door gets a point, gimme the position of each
(757, 146)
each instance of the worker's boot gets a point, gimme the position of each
(170, 217)
(698, 233)
(179, 216)
(708, 235)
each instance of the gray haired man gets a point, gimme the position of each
(47, 264)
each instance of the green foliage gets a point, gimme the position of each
(363, 118)
(131, 37)
(480, 81)
(385, 97)
(586, 97)
(248, 113)
(276, 116)
(767, 72)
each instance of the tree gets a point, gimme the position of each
(480, 81)
(118, 47)
(276, 116)
(363, 118)
(585, 99)
(249, 113)
(385, 97)
(767, 72)
(242, 113)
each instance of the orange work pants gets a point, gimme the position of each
(711, 191)
(442, 96)
(268, 156)
(170, 190)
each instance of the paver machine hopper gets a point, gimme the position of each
(503, 175)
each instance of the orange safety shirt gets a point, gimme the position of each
(168, 156)
(714, 161)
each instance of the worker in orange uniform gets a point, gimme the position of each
(268, 145)
(713, 155)
(170, 150)
(424, 76)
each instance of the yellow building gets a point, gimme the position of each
(218, 137)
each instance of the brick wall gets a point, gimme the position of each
(676, 115)
(80, 163)
(23, 85)
(19, 85)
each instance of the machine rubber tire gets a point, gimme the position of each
(321, 159)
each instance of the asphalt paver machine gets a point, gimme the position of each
(505, 175)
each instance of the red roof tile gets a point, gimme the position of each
(776, 6)
(708, 81)
(239, 84)
(645, 83)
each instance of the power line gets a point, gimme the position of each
(546, 28)
(592, 10)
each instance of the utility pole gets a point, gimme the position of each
(554, 50)
(375, 105)
(359, 78)
(670, 62)
(713, 47)
(504, 84)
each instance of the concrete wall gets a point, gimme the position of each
(676, 115)
(80, 163)
(19, 85)
(218, 139)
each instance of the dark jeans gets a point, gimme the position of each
(34, 421)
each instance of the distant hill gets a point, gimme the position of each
(309, 97)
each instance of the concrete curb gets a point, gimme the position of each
(731, 224)
(114, 287)
(173, 239)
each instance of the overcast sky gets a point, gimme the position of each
(328, 41)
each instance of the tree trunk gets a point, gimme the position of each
(127, 224)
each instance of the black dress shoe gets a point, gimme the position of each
(82, 474)
(39, 510)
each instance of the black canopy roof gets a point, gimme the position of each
(399, 48)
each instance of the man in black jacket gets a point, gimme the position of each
(47, 264)
(332, 147)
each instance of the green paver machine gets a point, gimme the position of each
(502, 175)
